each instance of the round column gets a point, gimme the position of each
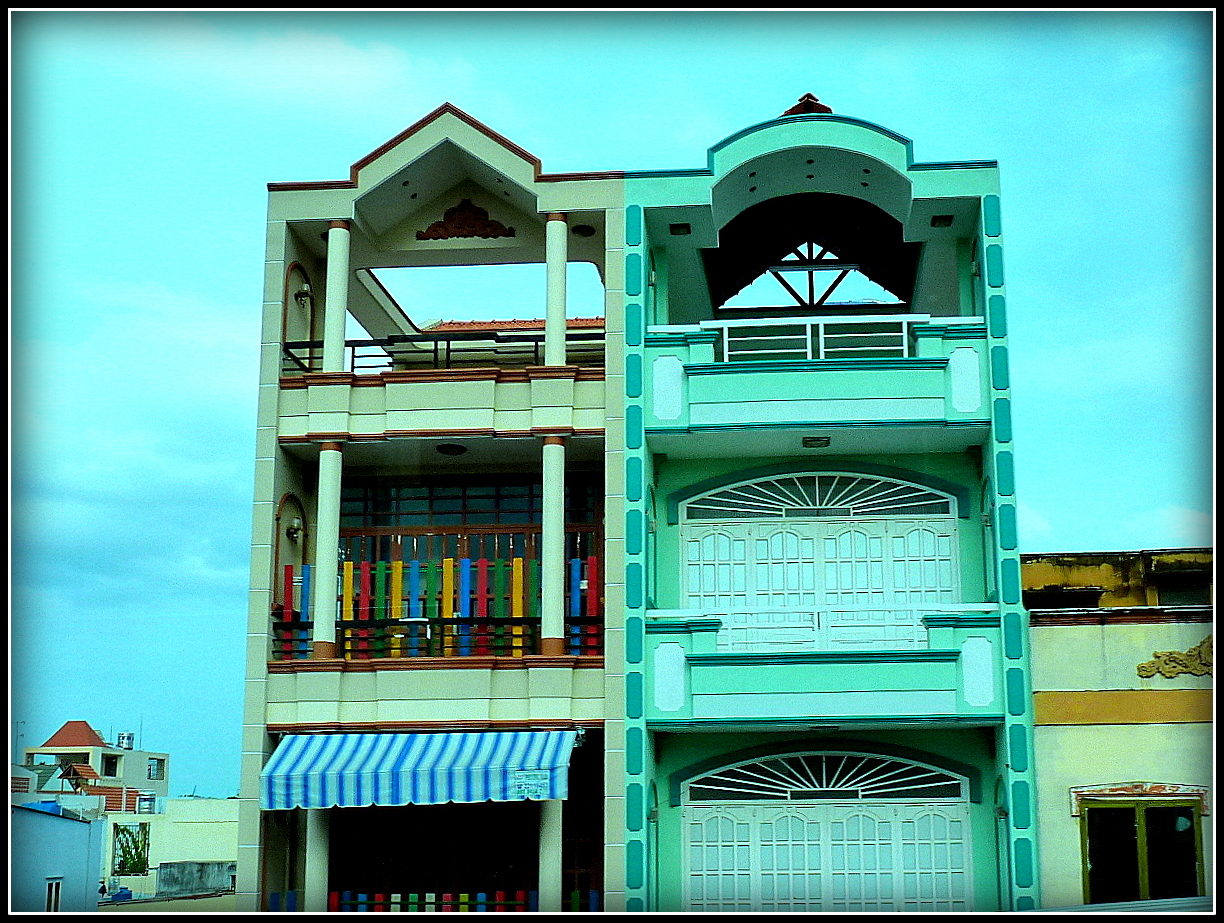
(556, 243)
(327, 550)
(552, 549)
(550, 883)
(336, 296)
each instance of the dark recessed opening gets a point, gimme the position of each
(450, 448)
(679, 230)
(582, 230)
(752, 188)
(865, 170)
(941, 221)
(816, 442)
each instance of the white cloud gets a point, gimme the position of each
(302, 67)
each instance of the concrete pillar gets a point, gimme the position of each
(552, 549)
(336, 296)
(327, 550)
(556, 243)
(314, 897)
(550, 856)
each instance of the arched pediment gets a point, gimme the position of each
(864, 238)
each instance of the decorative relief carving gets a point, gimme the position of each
(465, 220)
(1131, 790)
(1197, 662)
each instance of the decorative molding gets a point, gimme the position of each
(1197, 662)
(388, 727)
(465, 220)
(1121, 615)
(381, 379)
(1125, 791)
(338, 665)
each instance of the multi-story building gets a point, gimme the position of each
(1122, 703)
(827, 666)
(75, 760)
(433, 692)
(709, 603)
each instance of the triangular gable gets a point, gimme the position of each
(446, 109)
(75, 734)
(79, 771)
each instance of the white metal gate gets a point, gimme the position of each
(833, 583)
(780, 835)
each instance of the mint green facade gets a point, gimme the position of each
(734, 409)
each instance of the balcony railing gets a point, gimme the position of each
(453, 607)
(804, 339)
(461, 349)
(850, 628)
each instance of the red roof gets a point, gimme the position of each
(75, 734)
(595, 323)
(81, 771)
(118, 800)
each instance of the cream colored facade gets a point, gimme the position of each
(450, 192)
(1123, 709)
(189, 830)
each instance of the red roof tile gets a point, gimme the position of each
(80, 771)
(75, 734)
(117, 799)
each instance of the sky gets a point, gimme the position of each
(142, 144)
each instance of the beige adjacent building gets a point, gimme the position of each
(1123, 710)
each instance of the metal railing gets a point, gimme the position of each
(833, 628)
(452, 607)
(444, 350)
(805, 339)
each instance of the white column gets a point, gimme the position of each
(552, 549)
(550, 856)
(314, 898)
(556, 242)
(336, 296)
(327, 550)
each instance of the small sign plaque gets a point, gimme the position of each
(531, 784)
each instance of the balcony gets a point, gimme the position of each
(816, 370)
(452, 607)
(460, 349)
(841, 664)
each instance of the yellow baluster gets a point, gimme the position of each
(395, 607)
(516, 604)
(447, 608)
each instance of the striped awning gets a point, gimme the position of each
(357, 770)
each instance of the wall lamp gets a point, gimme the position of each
(294, 530)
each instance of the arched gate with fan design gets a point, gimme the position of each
(827, 832)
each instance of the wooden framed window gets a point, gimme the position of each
(1142, 849)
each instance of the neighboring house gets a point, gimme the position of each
(711, 603)
(157, 854)
(88, 763)
(436, 581)
(152, 845)
(1122, 699)
(54, 859)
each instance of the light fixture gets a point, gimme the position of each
(816, 442)
(294, 530)
(941, 221)
(450, 448)
(303, 297)
(680, 229)
(582, 230)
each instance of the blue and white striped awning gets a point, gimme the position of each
(357, 770)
